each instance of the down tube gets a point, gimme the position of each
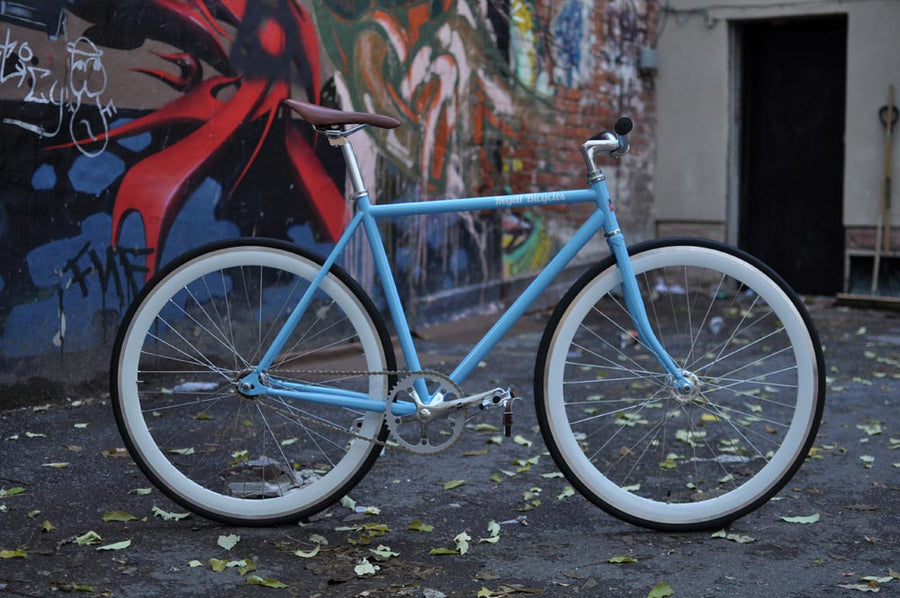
(537, 286)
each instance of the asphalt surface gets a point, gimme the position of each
(549, 544)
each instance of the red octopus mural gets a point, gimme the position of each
(255, 47)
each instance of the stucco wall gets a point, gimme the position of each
(133, 130)
(694, 178)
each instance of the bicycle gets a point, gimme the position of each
(679, 383)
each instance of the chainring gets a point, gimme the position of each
(426, 433)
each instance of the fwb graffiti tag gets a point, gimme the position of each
(83, 85)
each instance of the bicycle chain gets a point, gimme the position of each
(356, 373)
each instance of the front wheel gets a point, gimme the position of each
(201, 325)
(638, 448)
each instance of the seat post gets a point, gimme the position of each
(340, 139)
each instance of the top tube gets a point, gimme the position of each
(492, 202)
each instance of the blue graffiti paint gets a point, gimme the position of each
(568, 33)
(94, 175)
(44, 178)
(196, 223)
(135, 143)
(303, 236)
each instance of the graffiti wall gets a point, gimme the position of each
(133, 130)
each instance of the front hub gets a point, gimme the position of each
(687, 395)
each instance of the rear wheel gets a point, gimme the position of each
(642, 451)
(203, 323)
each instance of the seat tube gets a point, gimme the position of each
(633, 300)
(391, 294)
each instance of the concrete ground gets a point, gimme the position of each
(560, 546)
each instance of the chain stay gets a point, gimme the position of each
(354, 373)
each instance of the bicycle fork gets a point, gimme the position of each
(633, 301)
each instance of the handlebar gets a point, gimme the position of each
(615, 144)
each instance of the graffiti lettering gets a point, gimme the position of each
(87, 80)
(79, 271)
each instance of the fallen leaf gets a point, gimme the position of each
(46, 526)
(35, 435)
(622, 560)
(348, 503)
(167, 516)
(454, 484)
(522, 441)
(661, 590)
(122, 516)
(228, 542)
(365, 568)
(80, 426)
(733, 537)
(493, 534)
(384, 552)
(566, 493)
(184, 452)
(244, 566)
(442, 552)
(116, 546)
(419, 526)
(4, 493)
(218, 565)
(871, 429)
(268, 582)
(308, 555)
(195, 563)
(462, 542)
(807, 519)
(13, 554)
(56, 465)
(141, 491)
(483, 427)
(88, 538)
(552, 475)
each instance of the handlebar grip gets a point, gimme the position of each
(623, 126)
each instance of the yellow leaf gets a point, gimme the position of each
(268, 582)
(13, 554)
(218, 565)
(454, 484)
(122, 516)
(418, 526)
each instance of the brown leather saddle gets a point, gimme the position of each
(329, 117)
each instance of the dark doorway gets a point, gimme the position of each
(793, 83)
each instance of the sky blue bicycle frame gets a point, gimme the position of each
(367, 215)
